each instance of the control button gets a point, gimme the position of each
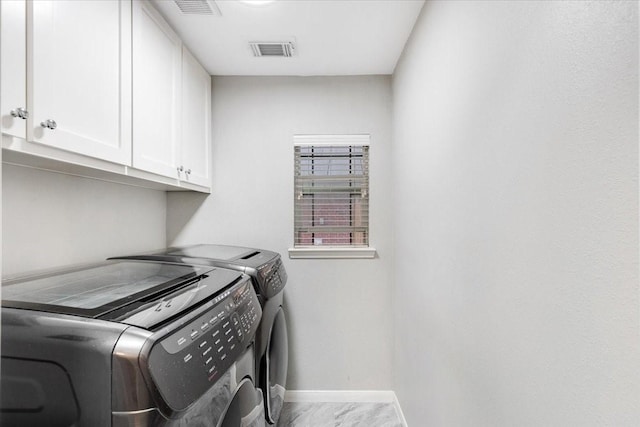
(221, 348)
(215, 333)
(235, 318)
(194, 334)
(225, 324)
(204, 327)
(188, 357)
(213, 368)
(217, 342)
(181, 341)
(230, 339)
(227, 332)
(220, 315)
(224, 356)
(213, 320)
(202, 344)
(206, 351)
(232, 347)
(209, 360)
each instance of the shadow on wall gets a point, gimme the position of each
(181, 208)
(293, 366)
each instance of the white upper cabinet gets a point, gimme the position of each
(79, 77)
(13, 57)
(196, 121)
(103, 88)
(157, 53)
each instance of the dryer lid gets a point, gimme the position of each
(219, 252)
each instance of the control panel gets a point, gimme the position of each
(273, 277)
(187, 362)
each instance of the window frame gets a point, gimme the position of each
(328, 251)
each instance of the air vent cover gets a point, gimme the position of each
(272, 49)
(197, 7)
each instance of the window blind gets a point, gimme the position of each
(331, 185)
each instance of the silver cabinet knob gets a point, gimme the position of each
(188, 171)
(180, 168)
(20, 113)
(49, 124)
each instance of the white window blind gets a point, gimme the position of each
(331, 185)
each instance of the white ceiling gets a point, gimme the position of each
(331, 37)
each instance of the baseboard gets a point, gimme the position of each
(344, 396)
(399, 410)
(340, 396)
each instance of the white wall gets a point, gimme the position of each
(339, 311)
(516, 177)
(51, 220)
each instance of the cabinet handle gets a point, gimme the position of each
(20, 113)
(49, 124)
(188, 171)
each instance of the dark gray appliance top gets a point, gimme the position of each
(264, 267)
(93, 291)
(237, 254)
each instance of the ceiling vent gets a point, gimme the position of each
(197, 7)
(272, 49)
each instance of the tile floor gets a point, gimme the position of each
(323, 414)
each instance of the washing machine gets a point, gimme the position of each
(130, 343)
(269, 278)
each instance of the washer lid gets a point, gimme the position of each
(96, 290)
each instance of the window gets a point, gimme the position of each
(331, 196)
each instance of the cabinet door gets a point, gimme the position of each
(13, 68)
(157, 52)
(79, 77)
(196, 121)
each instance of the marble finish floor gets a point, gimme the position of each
(325, 414)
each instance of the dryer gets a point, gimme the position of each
(269, 278)
(130, 343)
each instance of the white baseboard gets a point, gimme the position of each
(344, 396)
(399, 410)
(340, 396)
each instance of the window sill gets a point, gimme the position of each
(332, 253)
